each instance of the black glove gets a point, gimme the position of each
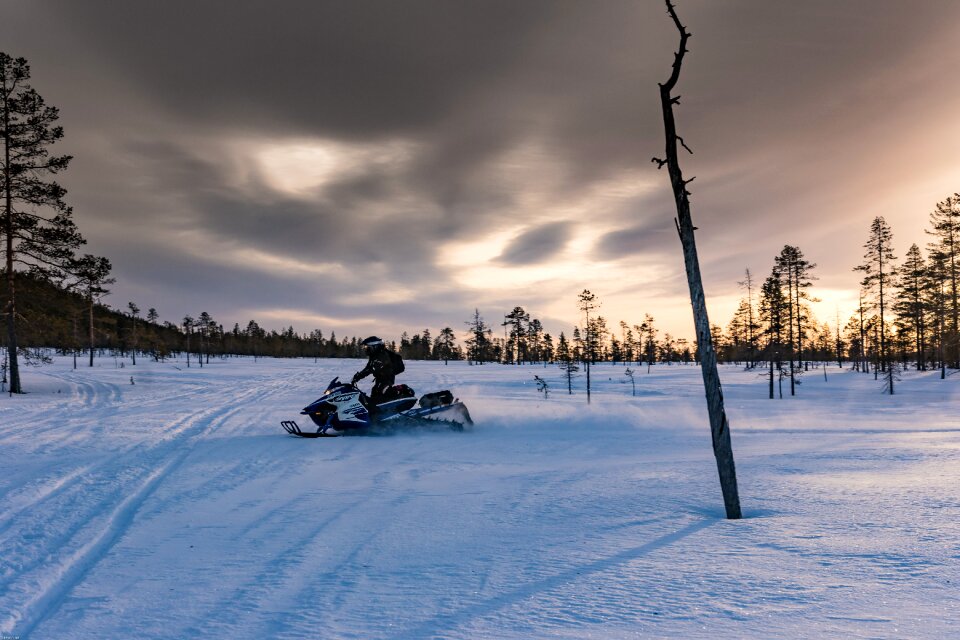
(355, 379)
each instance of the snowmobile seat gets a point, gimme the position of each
(436, 399)
(396, 392)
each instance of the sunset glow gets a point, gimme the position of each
(396, 182)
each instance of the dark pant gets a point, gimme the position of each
(380, 386)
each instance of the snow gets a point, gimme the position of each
(176, 507)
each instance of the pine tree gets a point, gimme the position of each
(743, 331)
(794, 271)
(566, 361)
(630, 347)
(423, 351)
(534, 340)
(446, 339)
(878, 268)
(667, 349)
(316, 339)
(586, 303)
(563, 352)
(255, 334)
(773, 312)
(596, 338)
(203, 324)
(42, 242)
(92, 276)
(945, 220)
(517, 321)
(938, 302)
(751, 325)
(648, 335)
(548, 350)
(479, 342)
(823, 346)
(910, 305)
(134, 316)
(838, 344)
(854, 341)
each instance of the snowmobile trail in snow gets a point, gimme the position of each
(80, 546)
(176, 507)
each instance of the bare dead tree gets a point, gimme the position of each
(719, 426)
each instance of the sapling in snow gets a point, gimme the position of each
(633, 383)
(542, 386)
(569, 368)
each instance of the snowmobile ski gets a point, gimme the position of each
(293, 429)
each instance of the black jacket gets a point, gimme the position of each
(379, 364)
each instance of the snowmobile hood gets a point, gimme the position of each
(333, 389)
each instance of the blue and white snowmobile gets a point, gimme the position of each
(344, 409)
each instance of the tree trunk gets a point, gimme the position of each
(771, 377)
(587, 362)
(793, 388)
(90, 300)
(76, 341)
(8, 231)
(719, 426)
(796, 288)
(953, 298)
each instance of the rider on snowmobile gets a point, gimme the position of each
(383, 364)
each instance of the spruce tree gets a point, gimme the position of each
(794, 271)
(517, 321)
(937, 300)
(773, 312)
(478, 344)
(566, 362)
(910, 305)
(446, 341)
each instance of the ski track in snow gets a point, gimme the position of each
(176, 507)
(52, 580)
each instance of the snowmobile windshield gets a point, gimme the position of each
(332, 386)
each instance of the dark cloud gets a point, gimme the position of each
(656, 236)
(353, 69)
(537, 244)
(802, 116)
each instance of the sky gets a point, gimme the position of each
(385, 166)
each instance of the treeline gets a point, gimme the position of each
(525, 341)
(53, 317)
(907, 315)
(57, 318)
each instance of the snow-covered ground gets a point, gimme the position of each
(176, 507)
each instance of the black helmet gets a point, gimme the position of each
(372, 344)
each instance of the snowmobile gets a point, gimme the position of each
(344, 409)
